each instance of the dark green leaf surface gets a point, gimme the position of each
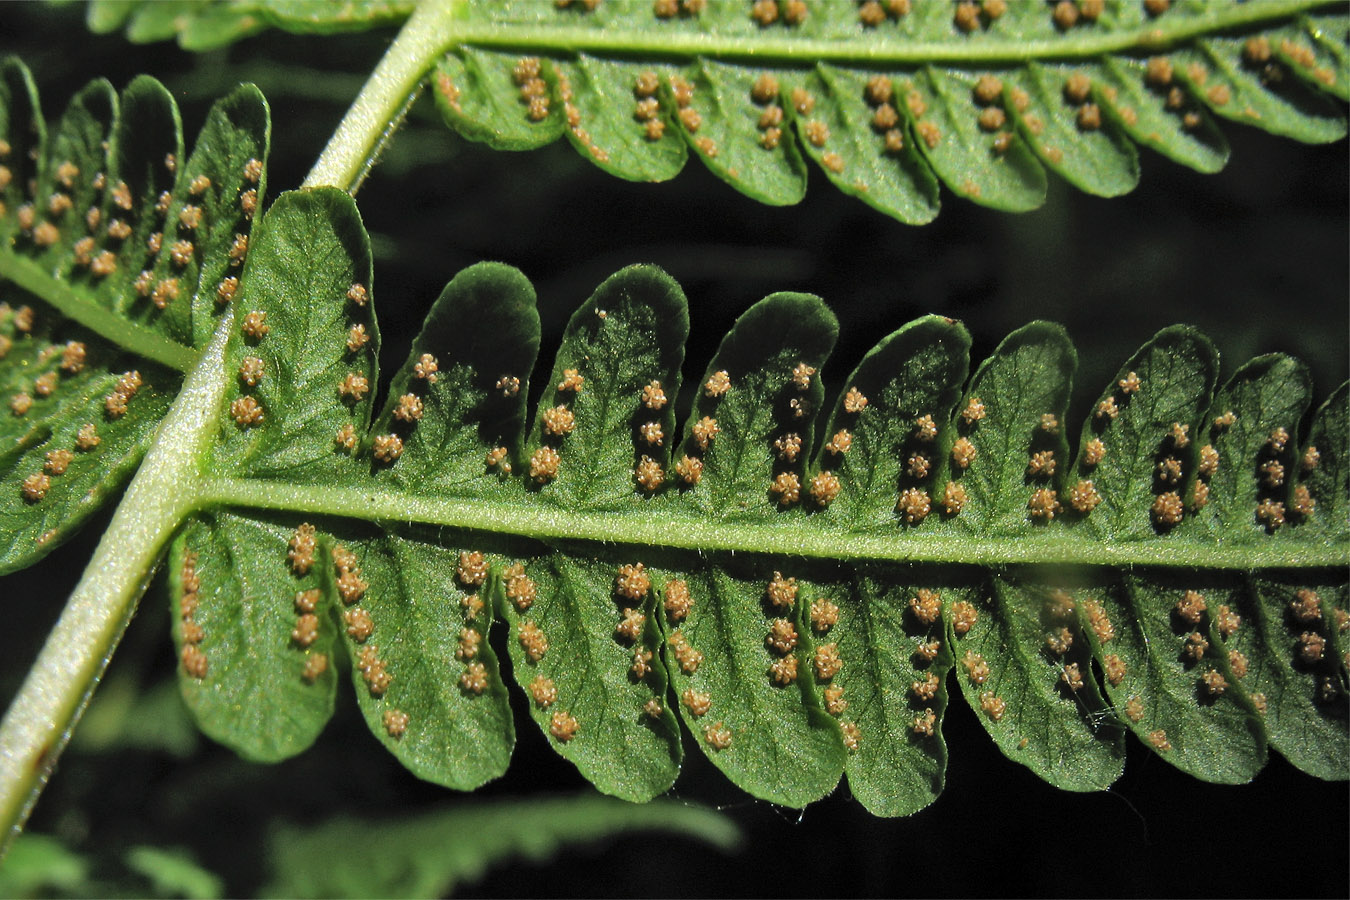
(738, 575)
(728, 137)
(894, 769)
(208, 24)
(24, 129)
(604, 96)
(147, 148)
(1096, 158)
(68, 455)
(1325, 37)
(302, 16)
(431, 854)
(1328, 479)
(485, 103)
(1164, 696)
(780, 744)
(1056, 730)
(253, 693)
(1304, 716)
(1027, 378)
(444, 675)
(483, 328)
(1141, 108)
(627, 343)
(1151, 78)
(608, 548)
(1238, 89)
(759, 355)
(79, 140)
(1175, 374)
(598, 719)
(294, 314)
(237, 131)
(1269, 392)
(913, 374)
(961, 152)
(898, 183)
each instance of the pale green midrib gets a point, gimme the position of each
(669, 529)
(43, 713)
(107, 324)
(1156, 36)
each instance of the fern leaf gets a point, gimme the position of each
(1281, 659)
(431, 854)
(459, 730)
(888, 104)
(116, 253)
(1006, 663)
(291, 349)
(264, 698)
(794, 599)
(1131, 100)
(595, 81)
(887, 101)
(217, 23)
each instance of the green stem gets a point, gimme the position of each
(138, 339)
(658, 528)
(164, 491)
(782, 46)
(383, 102)
(167, 487)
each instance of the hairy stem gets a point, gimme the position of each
(382, 103)
(164, 491)
(656, 528)
(1154, 36)
(138, 339)
(167, 486)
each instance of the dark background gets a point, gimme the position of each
(1256, 256)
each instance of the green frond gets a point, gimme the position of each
(890, 99)
(118, 256)
(795, 587)
(796, 599)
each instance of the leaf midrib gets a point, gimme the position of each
(652, 526)
(108, 324)
(1152, 37)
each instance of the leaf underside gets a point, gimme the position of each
(888, 98)
(796, 592)
(798, 600)
(130, 243)
(891, 99)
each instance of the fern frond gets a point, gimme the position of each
(432, 854)
(117, 255)
(207, 24)
(796, 599)
(889, 101)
